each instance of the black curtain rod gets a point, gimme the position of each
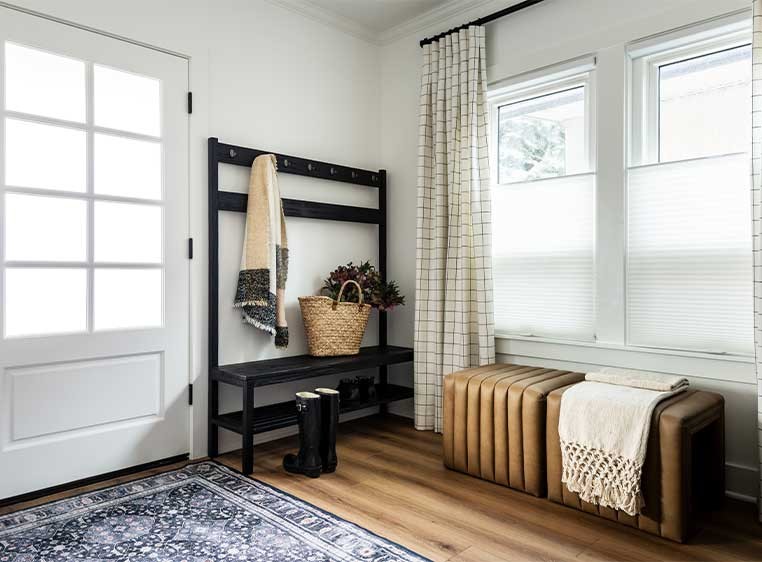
(486, 19)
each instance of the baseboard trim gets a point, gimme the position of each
(29, 496)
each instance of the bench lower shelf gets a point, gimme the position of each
(283, 414)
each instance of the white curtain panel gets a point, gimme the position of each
(756, 190)
(454, 324)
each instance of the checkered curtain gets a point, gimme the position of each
(756, 205)
(454, 325)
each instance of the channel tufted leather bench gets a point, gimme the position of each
(501, 424)
(683, 471)
(494, 423)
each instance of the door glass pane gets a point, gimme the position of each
(45, 301)
(704, 105)
(126, 101)
(127, 167)
(127, 233)
(44, 84)
(44, 156)
(128, 298)
(542, 137)
(41, 228)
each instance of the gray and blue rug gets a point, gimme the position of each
(201, 513)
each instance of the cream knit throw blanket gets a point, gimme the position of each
(603, 427)
(264, 262)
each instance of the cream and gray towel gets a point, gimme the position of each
(264, 262)
(603, 426)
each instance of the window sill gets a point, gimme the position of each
(584, 355)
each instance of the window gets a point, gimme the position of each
(544, 206)
(689, 261)
(82, 167)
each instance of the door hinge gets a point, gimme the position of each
(190, 395)
(190, 102)
(190, 248)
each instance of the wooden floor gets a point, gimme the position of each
(391, 480)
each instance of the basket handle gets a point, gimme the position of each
(347, 282)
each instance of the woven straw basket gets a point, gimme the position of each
(334, 327)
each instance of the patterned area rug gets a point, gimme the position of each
(201, 513)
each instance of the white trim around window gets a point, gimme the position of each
(544, 256)
(644, 58)
(611, 155)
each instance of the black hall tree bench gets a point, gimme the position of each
(250, 375)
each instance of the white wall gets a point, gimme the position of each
(552, 32)
(267, 78)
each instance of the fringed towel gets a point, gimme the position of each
(264, 263)
(603, 427)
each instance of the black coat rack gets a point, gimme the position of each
(250, 375)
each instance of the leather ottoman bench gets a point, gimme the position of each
(494, 423)
(683, 470)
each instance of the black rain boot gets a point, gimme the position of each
(329, 406)
(307, 460)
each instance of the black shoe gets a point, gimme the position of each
(367, 388)
(307, 460)
(329, 407)
(349, 391)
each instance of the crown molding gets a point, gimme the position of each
(458, 11)
(310, 11)
(435, 18)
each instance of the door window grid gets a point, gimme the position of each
(89, 195)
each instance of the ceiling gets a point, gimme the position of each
(378, 15)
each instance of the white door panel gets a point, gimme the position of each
(94, 276)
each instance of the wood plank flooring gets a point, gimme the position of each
(391, 481)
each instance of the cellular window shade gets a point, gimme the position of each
(689, 265)
(543, 257)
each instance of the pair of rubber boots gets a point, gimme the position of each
(318, 418)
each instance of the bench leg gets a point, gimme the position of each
(714, 476)
(212, 436)
(383, 380)
(247, 434)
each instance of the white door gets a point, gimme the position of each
(95, 276)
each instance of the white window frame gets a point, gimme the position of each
(547, 81)
(644, 60)
(614, 141)
(538, 84)
(89, 196)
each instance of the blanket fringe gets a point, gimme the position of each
(257, 324)
(602, 478)
(242, 304)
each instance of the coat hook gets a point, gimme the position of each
(286, 163)
(374, 178)
(333, 171)
(233, 153)
(311, 167)
(354, 175)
